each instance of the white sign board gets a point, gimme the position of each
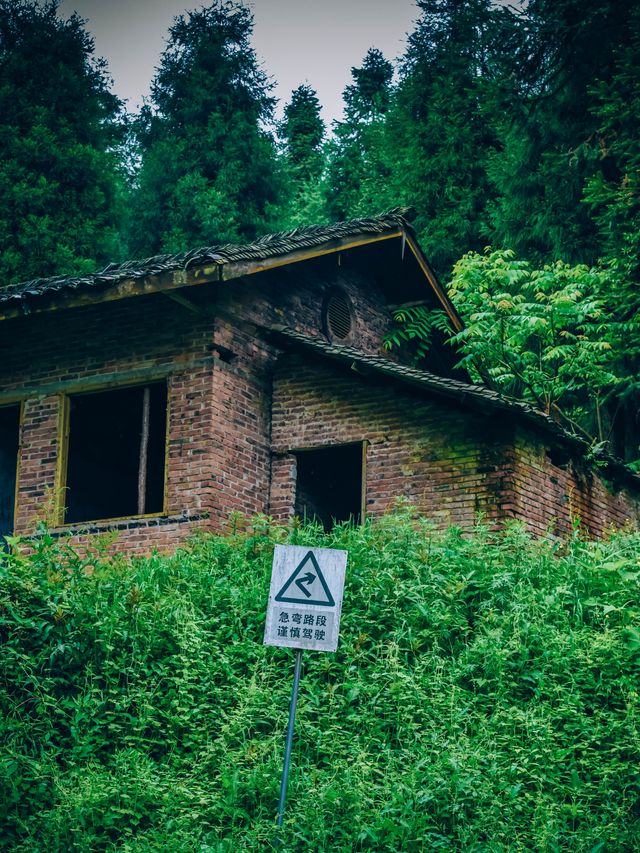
(305, 598)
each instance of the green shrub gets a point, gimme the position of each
(483, 697)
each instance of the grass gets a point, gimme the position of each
(483, 697)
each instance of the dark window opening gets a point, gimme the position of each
(116, 454)
(9, 445)
(329, 484)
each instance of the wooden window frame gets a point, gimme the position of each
(64, 411)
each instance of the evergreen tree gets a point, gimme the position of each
(540, 169)
(369, 96)
(437, 133)
(208, 170)
(613, 196)
(613, 190)
(58, 136)
(302, 131)
(355, 169)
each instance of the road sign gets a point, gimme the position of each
(305, 598)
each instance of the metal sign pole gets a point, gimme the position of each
(305, 601)
(289, 744)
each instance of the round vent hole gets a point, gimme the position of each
(338, 317)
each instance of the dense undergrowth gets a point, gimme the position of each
(483, 698)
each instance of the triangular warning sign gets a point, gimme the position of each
(306, 585)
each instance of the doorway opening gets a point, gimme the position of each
(9, 445)
(330, 484)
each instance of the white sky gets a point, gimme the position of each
(297, 41)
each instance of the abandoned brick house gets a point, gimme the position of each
(157, 398)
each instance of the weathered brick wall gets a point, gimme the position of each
(38, 457)
(294, 296)
(218, 373)
(555, 493)
(449, 462)
(241, 425)
(132, 340)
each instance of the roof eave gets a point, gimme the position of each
(423, 263)
(184, 278)
(124, 289)
(238, 269)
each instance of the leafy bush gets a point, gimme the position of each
(483, 698)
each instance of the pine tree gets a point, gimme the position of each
(369, 96)
(437, 134)
(355, 170)
(302, 131)
(540, 170)
(613, 195)
(208, 170)
(613, 190)
(59, 176)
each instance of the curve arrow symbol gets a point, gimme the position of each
(306, 579)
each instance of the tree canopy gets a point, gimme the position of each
(59, 134)
(511, 127)
(354, 166)
(208, 169)
(302, 132)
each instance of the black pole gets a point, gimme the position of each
(289, 744)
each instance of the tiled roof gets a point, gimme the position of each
(269, 246)
(474, 396)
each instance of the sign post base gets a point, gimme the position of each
(289, 744)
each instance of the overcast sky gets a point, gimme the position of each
(297, 41)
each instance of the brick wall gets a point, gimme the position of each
(131, 341)
(294, 296)
(556, 493)
(449, 462)
(241, 426)
(238, 408)
(218, 374)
